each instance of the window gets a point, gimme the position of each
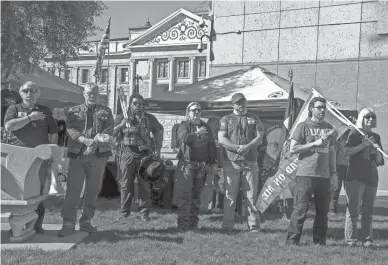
(183, 68)
(104, 75)
(202, 68)
(85, 76)
(66, 74)
(163, 69)
(124, 75)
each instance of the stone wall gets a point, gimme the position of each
(168, 122)
(330, 45)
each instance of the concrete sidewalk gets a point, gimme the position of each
(47, 241)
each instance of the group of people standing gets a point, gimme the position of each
(324, 164)
(323, 161)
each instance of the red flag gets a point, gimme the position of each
(102, 46)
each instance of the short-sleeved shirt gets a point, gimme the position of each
(8, 98)
(35, 132)
(362, 165)
(241, 130)
(132, 150)
(315, 162)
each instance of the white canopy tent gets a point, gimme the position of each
(267, 94)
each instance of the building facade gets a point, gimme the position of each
(150, 60)
(339, 47)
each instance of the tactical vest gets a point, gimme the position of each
(138, 133)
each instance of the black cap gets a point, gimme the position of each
(236, 97)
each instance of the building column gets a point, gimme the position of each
(132, 65)
(192, 69)
(172, 71)
(152, 77)
(77, 76)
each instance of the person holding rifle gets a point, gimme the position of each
(135, 134)
(362, 177)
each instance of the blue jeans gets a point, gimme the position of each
(244, 176)
(190, 187)
(91, 169)
(359, 194)
(305, 187)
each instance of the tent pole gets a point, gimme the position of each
(107, 80)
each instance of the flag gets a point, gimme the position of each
(102, 46)
(286, 172)
(289, 118)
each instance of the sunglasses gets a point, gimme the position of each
(31, 90)
(240, 102)
(137, 103)
(368, 117)
(322, 108)
(196, 110)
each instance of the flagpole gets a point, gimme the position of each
(351, 124)
(107, 80)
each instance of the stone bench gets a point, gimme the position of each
(21, 186)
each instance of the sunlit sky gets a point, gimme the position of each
(132, 14)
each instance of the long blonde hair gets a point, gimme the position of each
(362, 114)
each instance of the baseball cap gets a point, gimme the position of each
(236, 97)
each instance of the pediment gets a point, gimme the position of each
(184, 31)
(181, 27)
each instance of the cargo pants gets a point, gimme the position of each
(242, 175)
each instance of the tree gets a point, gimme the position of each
(34, 30)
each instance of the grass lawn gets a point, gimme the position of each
(157, 242)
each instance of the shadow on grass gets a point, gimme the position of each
(114, 236)
(171, 234)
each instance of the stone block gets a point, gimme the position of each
(382, 24)
(262, 21)
(20, 170)
(287, 5)
(340, 14)
(338, 41)
(228, 8)
(298, 44)
(338, 81)
(336, 2)
(370, 11)
(217, 70)
(300, 17)
(252, 7)
(273, 68)
(21, 187)
(372, 45)
(373, 92)
(228, 24)
(372, 87)
(261, 46)
(304, 73)
(227, 49)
